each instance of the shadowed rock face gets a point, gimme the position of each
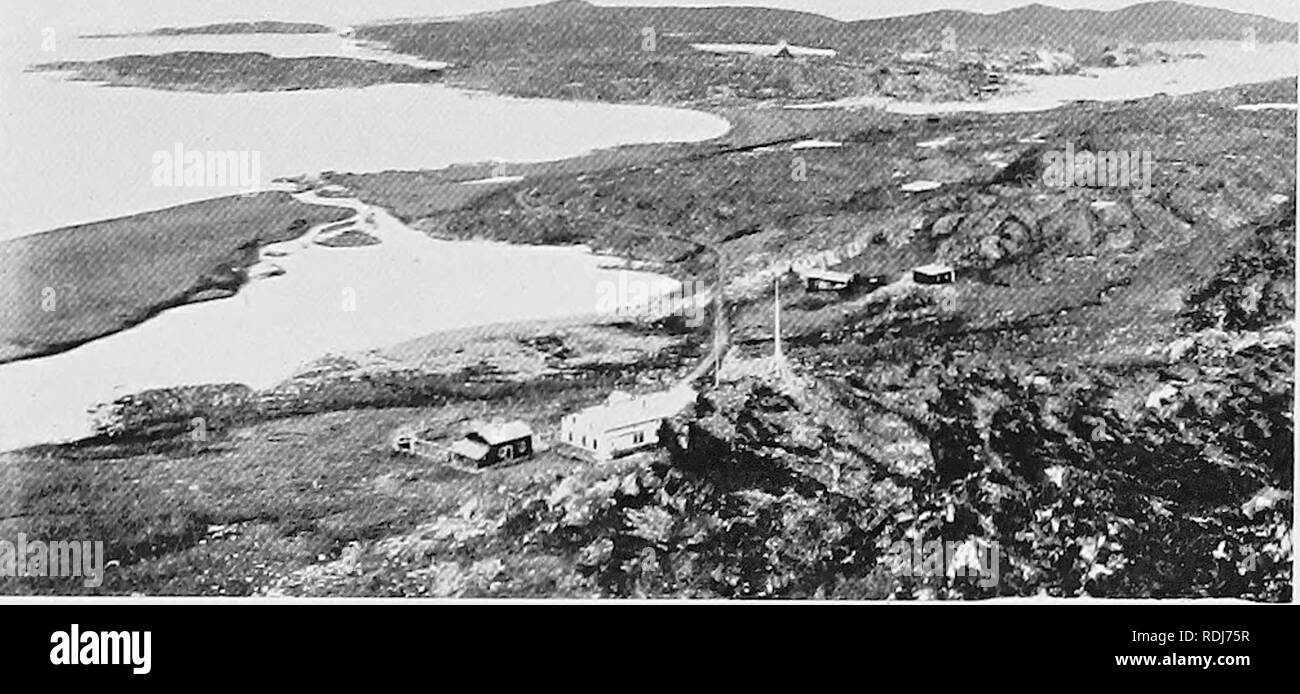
(792, 491)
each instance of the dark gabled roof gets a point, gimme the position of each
(495, 434)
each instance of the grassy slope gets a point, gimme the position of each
(67, 286)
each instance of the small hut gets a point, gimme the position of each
(822, 280)
(934, 273)
(489, 444)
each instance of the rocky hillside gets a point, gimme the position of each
(574, 25)
(1104, 397)
(577, 50)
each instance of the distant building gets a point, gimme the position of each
(822, 280)
(409, 440)
(623, 424)
(934, 273)
(490, 444)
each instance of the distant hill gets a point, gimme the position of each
(1082, 30)
(262, 27)
(266, 27)
(569, 26)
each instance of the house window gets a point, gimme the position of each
(638, 437)
(507, 452)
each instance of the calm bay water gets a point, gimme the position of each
(76, 152)
(1226, 63)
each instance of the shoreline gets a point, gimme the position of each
(250, 256)
(106, 299)
(748, 129)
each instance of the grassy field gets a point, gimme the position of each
(217, 517)
(64, 287)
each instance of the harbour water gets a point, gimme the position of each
(76, 152)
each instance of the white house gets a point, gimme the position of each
(623, 424)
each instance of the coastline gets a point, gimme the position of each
(426, 199)
(70, 286)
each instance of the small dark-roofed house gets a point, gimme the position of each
(489, 444)
(822, 280)
(934, 273)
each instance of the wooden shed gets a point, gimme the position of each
(490, 444)
(822, 280)
(934, 273)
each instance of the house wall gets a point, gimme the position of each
(924, 278)
(631, 438)
(511, 450)
(605, 445)
(821, 285)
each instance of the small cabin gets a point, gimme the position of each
(934, 273)
(820, 280)
(490, 444)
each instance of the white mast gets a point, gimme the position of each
(776, 301)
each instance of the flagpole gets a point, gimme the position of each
(776, 301)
